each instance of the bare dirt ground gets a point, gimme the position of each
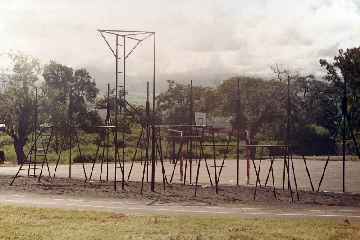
(178, 193)
(332, 181)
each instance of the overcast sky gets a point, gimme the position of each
(199, 40)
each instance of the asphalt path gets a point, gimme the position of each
(134, 207)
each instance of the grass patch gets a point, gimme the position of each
(34, 223)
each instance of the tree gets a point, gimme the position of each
(316, 104)
(63, 86)
(310, 113)
(263, 108)
(17, 103)
(261, 104)
(344, 76)
(174, 104)
(260, 110)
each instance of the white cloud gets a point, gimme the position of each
(195, 39)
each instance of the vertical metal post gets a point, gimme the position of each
(237, 132)
(248, 156)
(148, 122)
(70, 129)
(116, 107)
(288, 113)
(35, 128)
(124, 117)
(214, 156)
(191, 132)
(344, 112)
(147, 126)
(288, 130)
(153, 126)
(108, 115)
(107, 131)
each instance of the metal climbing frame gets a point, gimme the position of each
(41, 138)
(72, 139)
(37, 154)
(118, 41)
(274, 152)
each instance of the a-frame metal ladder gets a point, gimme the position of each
(37, 155)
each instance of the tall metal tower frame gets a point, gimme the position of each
(121, 53)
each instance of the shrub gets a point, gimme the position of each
(314, 140)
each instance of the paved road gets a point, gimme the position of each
(133, 207)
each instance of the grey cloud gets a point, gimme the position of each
(215, 42)
(293, 37)
(329, 51)
(200, 40)
(357, 4)
(316, 5)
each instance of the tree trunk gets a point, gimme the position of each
(19, 150)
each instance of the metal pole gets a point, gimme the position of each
(70, 129)
(108, 116)
(191, 132)
(214, 156)
(145, 163)
(107, 131)
(116, 106)
(248, 153)
(288, 113)
(191, 103)
(288, 129)
(344, 112)
(148, 122)
(124, 117)
(237, 132)
(36, 127)
(153, 126)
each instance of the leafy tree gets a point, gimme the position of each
(261, 104)
(68, 94)
(17, 102)
(343, 73)
(316, 104)
(174, 104)
(264, 107)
